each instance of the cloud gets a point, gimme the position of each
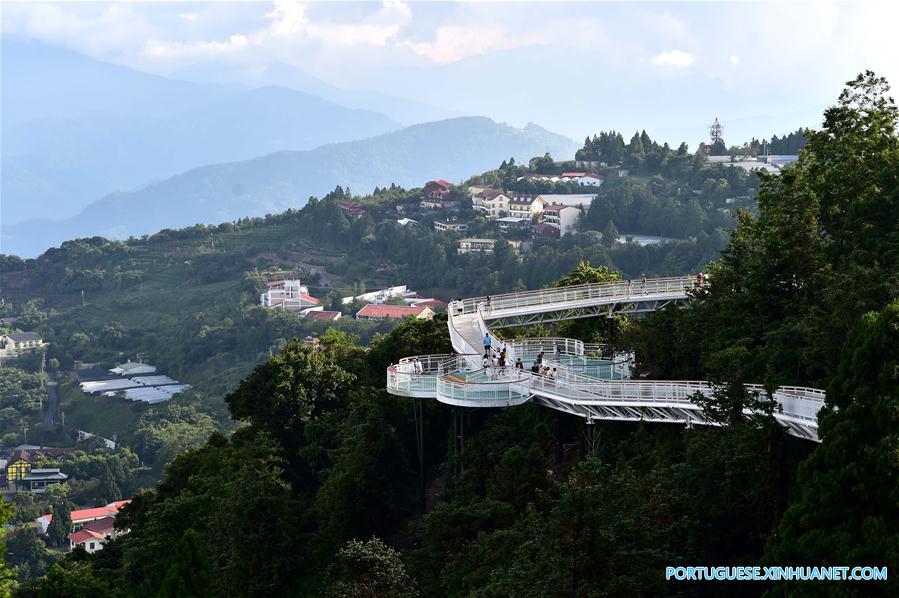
(455, 42)
(674, 58)
(168, 49)
(289, 24)
(376, 30)
(734, 59)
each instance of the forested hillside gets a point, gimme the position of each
(316, 491)
(451, 149)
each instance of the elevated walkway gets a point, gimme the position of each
(582, 381)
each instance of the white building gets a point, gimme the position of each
(563, 218)
(485, 246)
(133, 369)
(379, 297)
(525, 205)
(15, 343)
(508, 223)
(289, 295)
(492, 202)
(450, 227)
(569, 199)
(590, 180)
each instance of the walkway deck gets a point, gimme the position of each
(595, 394)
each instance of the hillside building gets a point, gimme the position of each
(394, 312)
(525, 205)
(289, 295)
(563, 218)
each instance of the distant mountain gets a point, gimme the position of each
(75, 129)
(406, 111)
(451, 149)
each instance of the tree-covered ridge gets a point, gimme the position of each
(322, 459)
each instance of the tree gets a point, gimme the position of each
(70, 579)
(369, 569)
(61, 524)
(109, 488)
(584, 273)
(187, 575)
(7, 579)
(847, 510)
(283, 394)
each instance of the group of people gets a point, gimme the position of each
(629, 283)
(495, 360)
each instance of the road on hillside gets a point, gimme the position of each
(52, 402)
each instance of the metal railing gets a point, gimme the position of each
(547, 345)
(634, 289)
(418, 374)
(581, 377)
(501, 387)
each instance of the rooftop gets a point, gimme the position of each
(38, 475)
(83, 535)
(109, 510)
(22, 337)
(390, 311)
(323, 315)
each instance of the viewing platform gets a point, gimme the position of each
(583, 379)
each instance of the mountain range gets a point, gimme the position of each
(94, 148)
(101, 127)
(451, 149)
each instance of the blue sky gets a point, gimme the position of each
(575, 68)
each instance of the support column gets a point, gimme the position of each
(418, 416)
(557, 427)
(591, 438)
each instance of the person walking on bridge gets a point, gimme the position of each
(487, 343)
(643, 286)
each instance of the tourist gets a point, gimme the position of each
(557, 353)
(553, 375)
(540, 357)
(518, 364)
(535, 369)
(487, 343)
(643, 287)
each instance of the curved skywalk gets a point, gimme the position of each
(585, 383)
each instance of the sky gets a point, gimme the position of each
(575, 68)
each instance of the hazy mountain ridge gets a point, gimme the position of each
(103, 127)
(452, 149)
(279, 74)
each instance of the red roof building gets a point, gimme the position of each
(546, 231)
(436, 189)
(83, 516)
(394, 312)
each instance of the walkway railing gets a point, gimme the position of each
(623, 290)
(581, 384)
